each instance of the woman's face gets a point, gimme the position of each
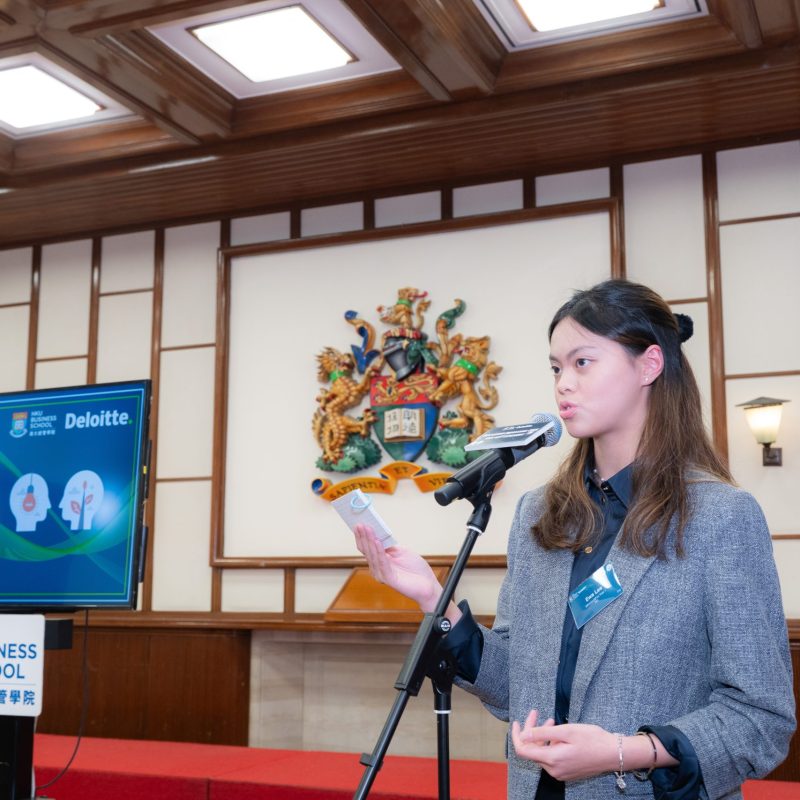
(601, 389)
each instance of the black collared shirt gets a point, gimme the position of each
(465, 642)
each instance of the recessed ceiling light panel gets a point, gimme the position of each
(274, 44)
(254, 50)
(524, 24)
(38, 96)
(31, 97)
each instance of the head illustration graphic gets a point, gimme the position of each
(29, 501)
(83, 496)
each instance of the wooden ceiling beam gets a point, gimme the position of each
(447, 47)
(6, 158)
(130, 75)
(103, 17)
(741, 17)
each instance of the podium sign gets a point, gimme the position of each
(21, 664)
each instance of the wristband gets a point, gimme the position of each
(641, 774)
(620, 773)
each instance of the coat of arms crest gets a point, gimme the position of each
(408, 380)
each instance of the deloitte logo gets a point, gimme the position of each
(102, 419)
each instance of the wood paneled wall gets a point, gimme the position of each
(170, 684)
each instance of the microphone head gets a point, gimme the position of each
(552, 435)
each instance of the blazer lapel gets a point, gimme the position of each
(598, 632)
(549, 569)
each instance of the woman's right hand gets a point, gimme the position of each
(402, 569)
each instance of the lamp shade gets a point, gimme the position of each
(764, 417)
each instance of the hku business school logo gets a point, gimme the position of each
(19, 424)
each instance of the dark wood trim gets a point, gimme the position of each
(125, 291)
(62, 358)
(684, 300)
(719, 414)
(249, 620)
(782, 374)
(185, 480)
(155, 378)
(94, 309)
(201, 346)
(15, 305)
(768, 218)
(777, 537)
(295, 223)
(617, 243)
(219, 431)
(341, 562)
(369, 213)
(529, 191)
(33, 318)
(446, 198)
(220, 443)
(289, 591)
(617, 191)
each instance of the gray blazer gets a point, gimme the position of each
(699, 643)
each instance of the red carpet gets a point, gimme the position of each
(112, 769)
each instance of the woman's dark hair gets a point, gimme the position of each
(674, 440)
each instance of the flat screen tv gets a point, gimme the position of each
(73, 479)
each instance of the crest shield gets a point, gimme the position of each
(405, 416)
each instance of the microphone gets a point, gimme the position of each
(505, 447)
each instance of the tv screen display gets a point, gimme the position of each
(72, 488)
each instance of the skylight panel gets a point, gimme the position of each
(31, 98)
(274, 44)
(546, 15)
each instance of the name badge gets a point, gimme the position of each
(594, 594)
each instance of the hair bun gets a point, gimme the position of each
(685, 326)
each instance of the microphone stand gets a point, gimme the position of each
(424, 659)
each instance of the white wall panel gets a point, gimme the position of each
(487, 198)
(15, 275)
(65, 372)
(787, 558)
(125, 327)
(408, 208)
(664, 226)
(759, 181)
(261, 228)
(316, 589)
(776, 488)
(127, 261)
(181, 574)
(64, 296)
(570, 187)
(14, 323)
(190, 285)
(271, 455)
(332, 219)
(252, 590)
(761, 295)
(186, 413)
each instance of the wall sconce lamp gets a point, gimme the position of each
(764, 417)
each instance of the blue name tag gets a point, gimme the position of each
(594, 594)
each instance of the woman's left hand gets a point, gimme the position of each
(568, 752)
